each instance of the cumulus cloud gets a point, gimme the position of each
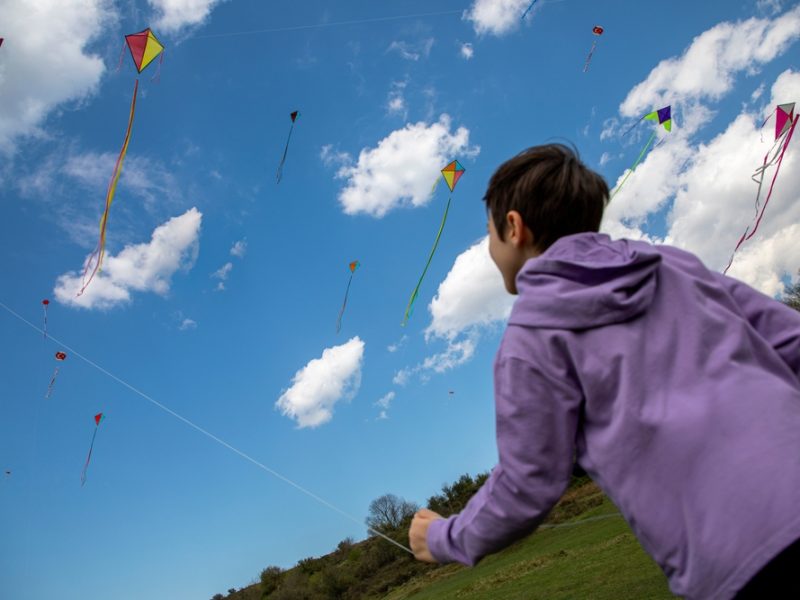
(496, 17)
(376, 185)
(707, 68)
(467, 51)
(45, 62)
(471, 298)
(324, 381)
(137, 268)
(177, 14)
(239, 249)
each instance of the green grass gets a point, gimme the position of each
(598, 559)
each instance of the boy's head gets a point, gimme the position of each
(537, 197)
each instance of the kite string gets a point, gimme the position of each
(207, 433)
(344, 304)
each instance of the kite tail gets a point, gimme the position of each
(112, 188)
(344, 304)
(589, 58)
(410, 307)
(88, 458)
(633, 168)
(45, 322)
(279, 174)
(157, 77)
(774, 177)
(52, 383)
(527, 10)
(747, 233)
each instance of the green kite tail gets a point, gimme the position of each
(410, 307)
(633, 168)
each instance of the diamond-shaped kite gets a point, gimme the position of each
(664, 118)
(452, 173)
(144, 47)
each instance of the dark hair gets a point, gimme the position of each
(555, 193)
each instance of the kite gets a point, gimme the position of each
(353, 266)
(61, 357)
(45, 303)
(785, 122)
(97, 418)
(598, 31)
(279, 174)
(144, 48)
(451, 173)
(527, 10)
(1, 41)
(664, 117)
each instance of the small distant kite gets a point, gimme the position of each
(97, 418)
(45, 304)
(598, 31)
(451, 173)
(1, 41)
(785, 122)
(527, 10)
(353, 267)
(144, 47)
(279, 174)
(61, 357)
(664, 118)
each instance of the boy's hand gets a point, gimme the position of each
(418, 534)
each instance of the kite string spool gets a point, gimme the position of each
(208, 434)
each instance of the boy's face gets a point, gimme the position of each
(510, 253)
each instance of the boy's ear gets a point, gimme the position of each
(518, 232)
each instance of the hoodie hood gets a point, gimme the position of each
(586, 280)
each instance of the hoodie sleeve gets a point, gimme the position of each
(537, 415)
(776, 322)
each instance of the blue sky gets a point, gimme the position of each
(220, 290)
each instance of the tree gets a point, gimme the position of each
(389, 512)
(271, 578)
(791, 296)
(218, 597)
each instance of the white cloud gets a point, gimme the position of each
(44, 60)
(239, 249)
(396, 103)
(187, 324)
(412, 51)
(708, 67)
(222, 275)
(177, 14)
(496, 16)
(472, 294)
(467, 51)
(334, 158)
(384, 403)
(395, 346)
(605, 158)
(141, 267)
(377, 183)
(317, 387)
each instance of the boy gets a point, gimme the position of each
(677, 387)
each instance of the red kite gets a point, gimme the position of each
(144, 47)
(61, 357)
(598, 31)
(45, 304)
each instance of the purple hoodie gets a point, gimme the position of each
(678, 387)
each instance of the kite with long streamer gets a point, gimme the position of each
(598, 31)
(97, 418)
(664, 118)
(451, 173)
(45, 303)
(144, 48)
(279, 174)
(785, 122)
(60, 357)
(353, 266)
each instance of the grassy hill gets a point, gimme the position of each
(584, 550)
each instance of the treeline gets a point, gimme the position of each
(372, 567)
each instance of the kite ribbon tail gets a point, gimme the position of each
(410, 307)
(45, 322)
(344, 304)
(589, 58)
(88, 458)
(285, 152)
(52, 382)
(112, 188)
(157, 77)
(774, 176)
(633, 168)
